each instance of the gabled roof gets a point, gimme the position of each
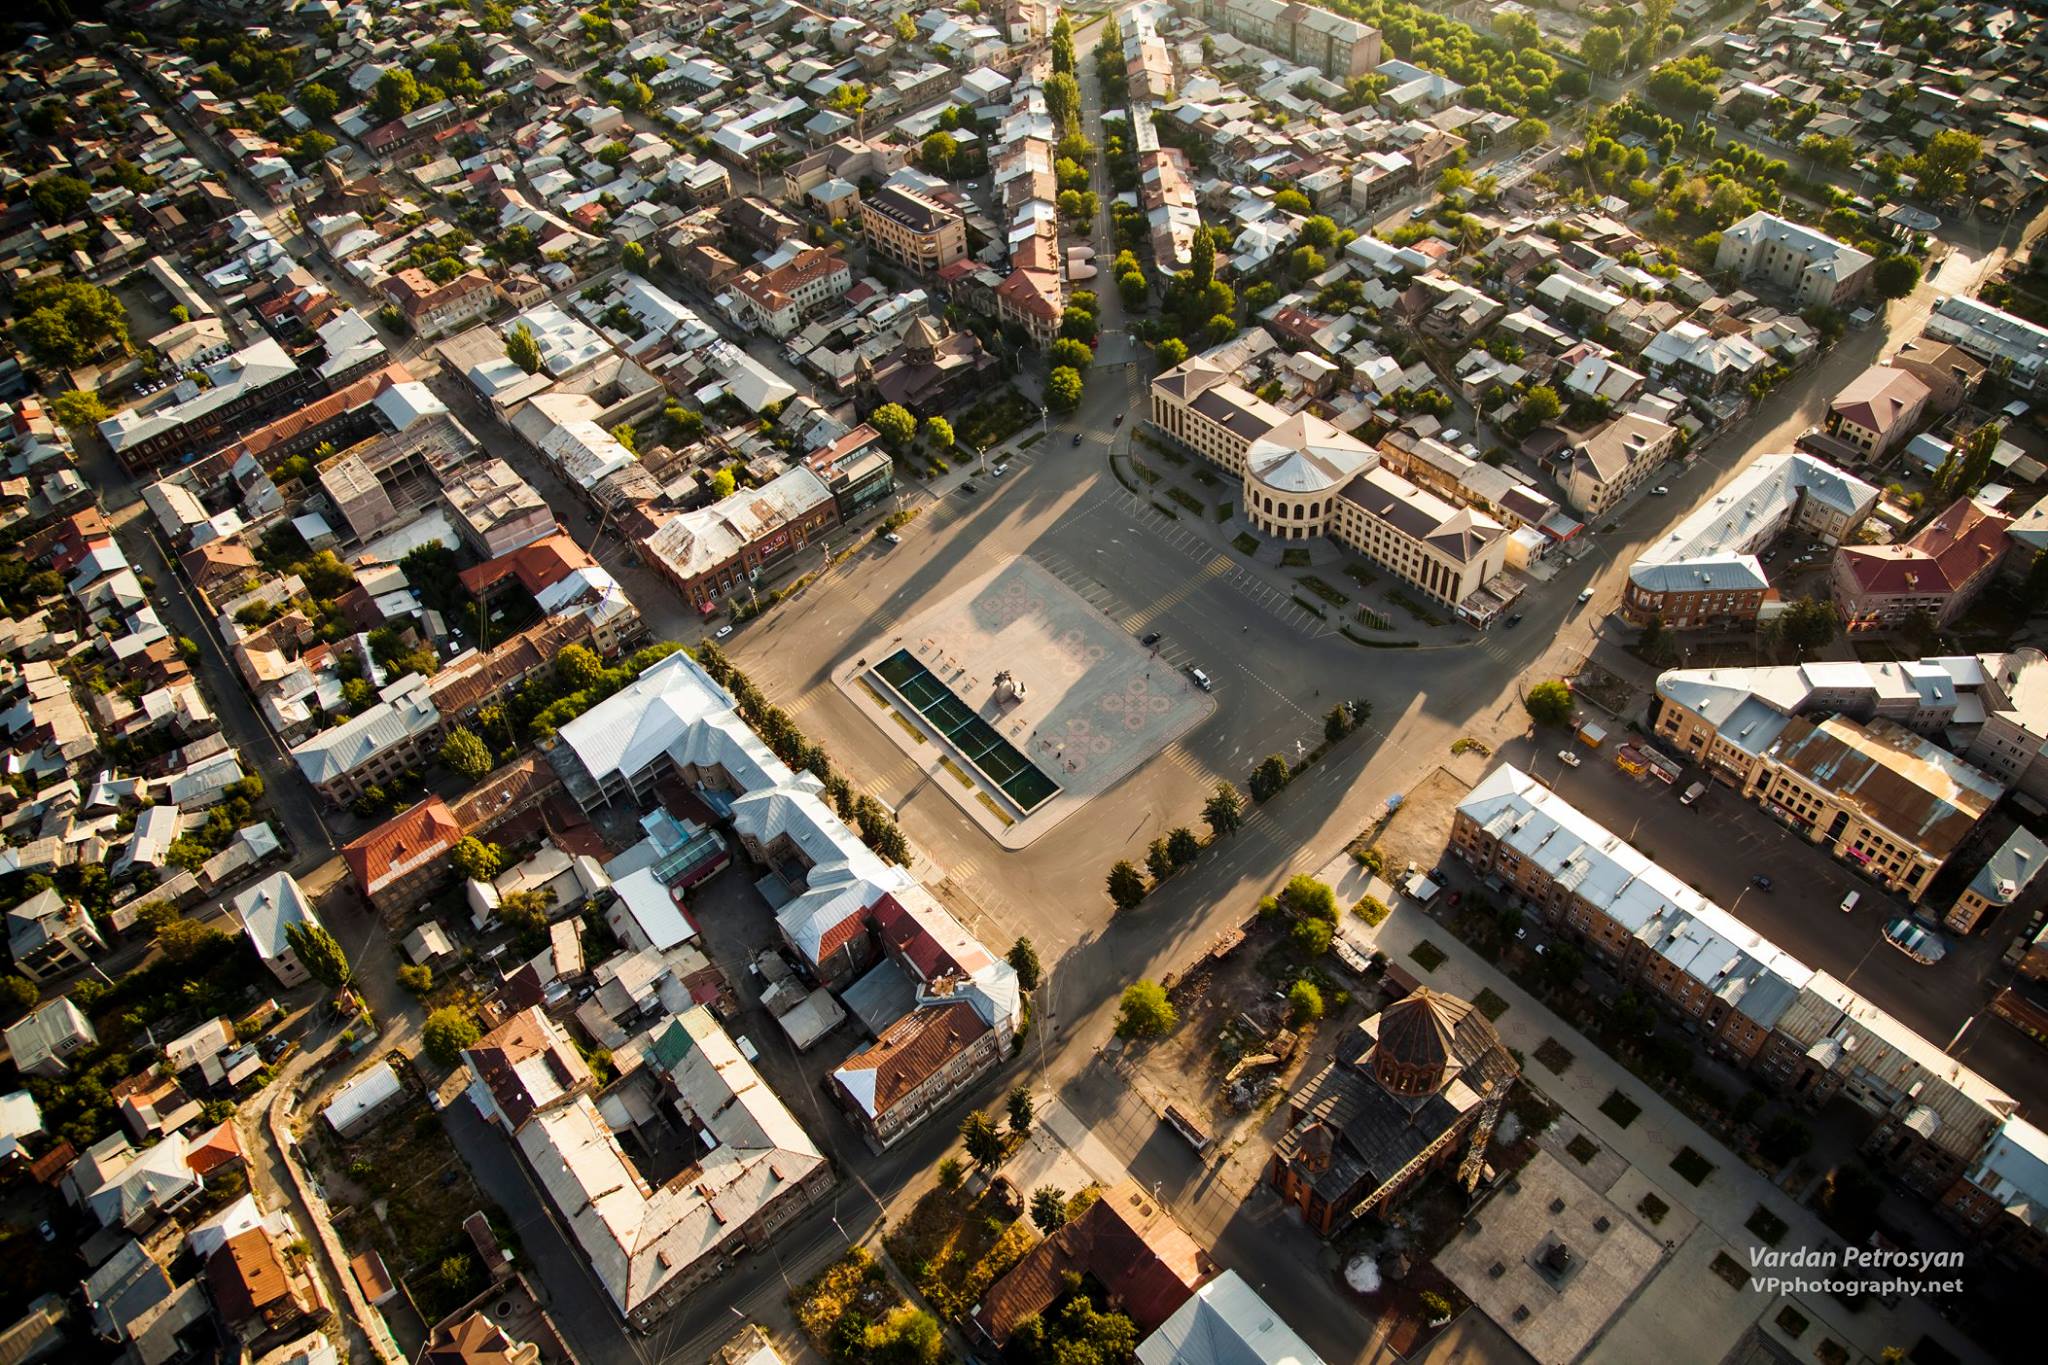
(402, 844)
(1127, 1242)
(908, 1053)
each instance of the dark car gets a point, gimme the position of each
(1760, 882)
(967, 488)
(1514, 620)
(1077, 438)
(1150, 638)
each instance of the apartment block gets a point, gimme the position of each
(1705, 570)
(1814, 268)
(912, 229)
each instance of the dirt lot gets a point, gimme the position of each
(1420, 829)
(401, 1189)
(1215, 1001)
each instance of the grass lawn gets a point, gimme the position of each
(1582, 1148)
(1491, 1005)
(1223, 510)
(1554, 1055)
(1323, 590)
(1652, 1208)
(1294, 559)
(1245, 543)
(953, 1245)
(1621, 1109)
(1187, 500)
(1692, 1166)
(1428, 955)
(1728, 1268)
(1361, 575)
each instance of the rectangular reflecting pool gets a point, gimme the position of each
(974, 738)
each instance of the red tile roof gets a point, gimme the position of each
(1127, 1243)
(1950, 552)
(910, 1050)
(217, 1147)
(402, 843)
(538, 566)
(503, 1058)
(905, 936)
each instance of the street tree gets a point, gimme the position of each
(1023, 959)
(1808, 623)
(1062, 98)
(1894, 277)
(1020, 1109)
(1159, 860)
(1269, 777)
(1063, 389)
(1223, 812)
(1549, 703)
(939, 432)
(895, 425)
(1071, 353)
(1126, 885)
(1947, 164)
(978, 1134)
(1144, 1011)
(318, 953)
(1337, 723)
(1170, 352)
(1182, 846)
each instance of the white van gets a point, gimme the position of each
(1201, 679)
(1849, 901)
(1693, 793)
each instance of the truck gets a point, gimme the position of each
(1196, 1136)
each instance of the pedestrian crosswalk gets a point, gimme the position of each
(1137, 621)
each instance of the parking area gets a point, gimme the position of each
(1720, 843)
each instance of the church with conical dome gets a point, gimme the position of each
(1413, 1088)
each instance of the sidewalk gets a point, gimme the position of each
(1723, 1202)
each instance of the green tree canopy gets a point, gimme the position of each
(1063, 389)
(1023, 959)
(464, 754)
(939, 432)
(522, 349)
(895, 425)
(396, 93)
(1126, 885)
(318, 953)
(1292, 201)
(319, 101)
(447, 1032)
(1223, 812)
(1894, 277)
(79, 408)
(476, 860)
(1143, 1011)
(1549, 703)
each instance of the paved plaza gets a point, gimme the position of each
(1553, 1308)
(1020, 700)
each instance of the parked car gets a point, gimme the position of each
(1514, 619)
(1693, 793)
(1760, 882)
(1201, 679)
(1660, 491)
(1151, 637)
(968, 489)
(1119, 420)
(721, 632)
(892, 537)
(1568, 758)
(1000, 470)
(1586, 596)
(1915, 940)
(1419, 212)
